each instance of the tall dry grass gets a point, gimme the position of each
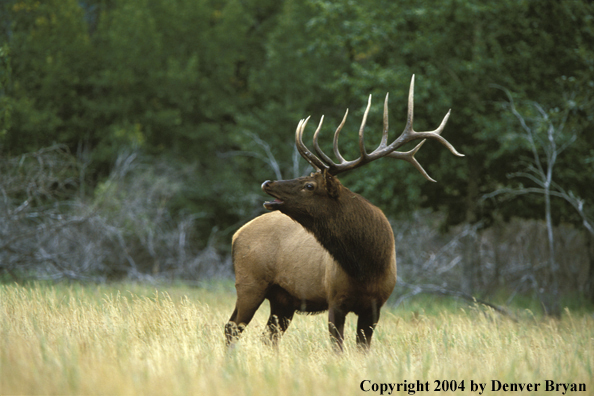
(135, 340)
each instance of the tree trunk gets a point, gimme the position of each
(550, 296)
(471, 264)
(590, 284)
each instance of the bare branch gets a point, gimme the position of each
(269, 158)
(435, 289)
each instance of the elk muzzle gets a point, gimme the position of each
(276, 203)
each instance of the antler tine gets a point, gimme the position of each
(436, 134)
(411, 106)
(305, 153)
(335, 143)
(362, 132)
(409, 156)
(319, 151)
(385, 131)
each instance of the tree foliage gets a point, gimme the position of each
(193, 80)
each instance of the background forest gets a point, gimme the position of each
(135, 134)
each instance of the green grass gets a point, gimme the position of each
(134, 339)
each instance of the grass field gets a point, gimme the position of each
(128, 339)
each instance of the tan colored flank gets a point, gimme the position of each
(280, 252)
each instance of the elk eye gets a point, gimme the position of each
(309, 186)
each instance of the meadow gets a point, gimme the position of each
(135, 339)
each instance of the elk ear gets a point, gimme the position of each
(332, 184)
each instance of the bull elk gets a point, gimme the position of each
(322, 247)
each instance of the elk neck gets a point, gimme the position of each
(356, 233)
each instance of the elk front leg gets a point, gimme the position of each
(336, 319)
(365, 326)
(232, 331)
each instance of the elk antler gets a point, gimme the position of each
(383, 150)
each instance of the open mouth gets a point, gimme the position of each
(273, 205)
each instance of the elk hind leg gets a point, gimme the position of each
(248, 302)
(280, 318)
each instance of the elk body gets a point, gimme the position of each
(322, 247)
